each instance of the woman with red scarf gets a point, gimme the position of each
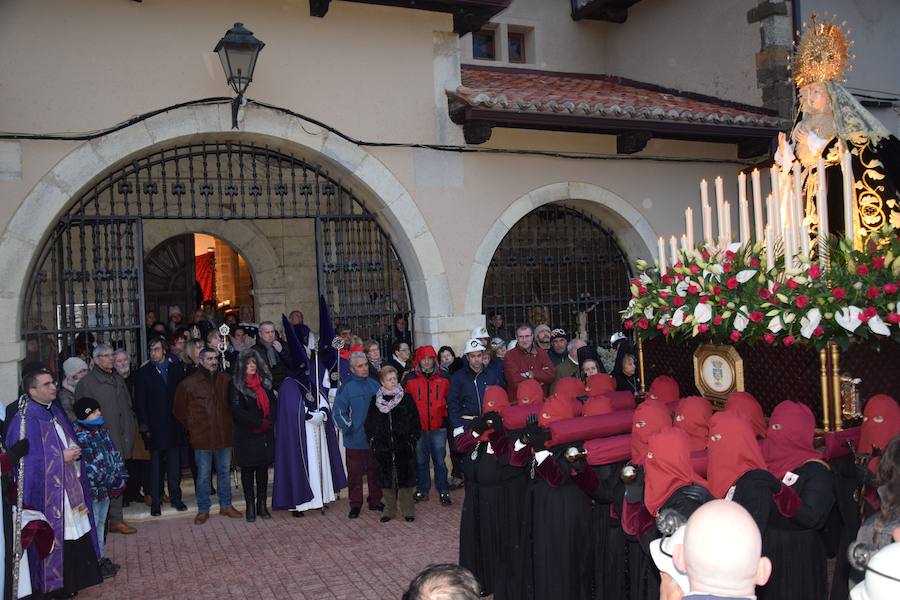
(253, 410)
(795, 544)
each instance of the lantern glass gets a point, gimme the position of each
(238, 52)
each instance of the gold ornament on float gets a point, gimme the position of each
(823, 53)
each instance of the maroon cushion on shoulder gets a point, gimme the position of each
(586, 428)
(608, 450)
(621, 400)
(514, 416)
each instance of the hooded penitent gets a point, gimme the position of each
(570, 386)
(733, 451)
(495, 399)
(556, 408)
(667, 467)
(789, 442)
(529, 392)
(692, 416)
(665, 389)
(881, 422)
(600, 383)
(746, 405)
(649, 418)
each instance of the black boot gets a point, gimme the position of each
(249, 496)
(250, 511)
(262, 491)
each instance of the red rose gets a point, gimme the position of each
(754, 262)
(693, 290)
(878, 262)
(791, 283)
(893, 318)
(643, 323)
(665, 331)
(735, 336)
(764, 293)
(872, 292)
(890, 288)
(815, 272)
(789, 340)
(732, 283)
(729, 255)
(717, 289)
(717, 320)
(695, 269)
(862, 270)
(867, 314)
(627, 324)
(664, 294)
(703, 328)
(678, 301)
(839, 293)
(723, 302)
(704, 300)
(727, 267)
(679, 276)
(667, 279)
(677, 265)
(642, 290)
(819, 330)
(659, 325)
(770, 338)
(756, 316)
(705, 254)
(801, 301)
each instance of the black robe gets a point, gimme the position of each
(795, 545)
(845, 520)
(610, 563)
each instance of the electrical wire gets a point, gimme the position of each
(98, 133)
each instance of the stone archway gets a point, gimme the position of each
(21, 243)
(634, 234)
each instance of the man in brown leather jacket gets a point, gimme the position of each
(201, 405)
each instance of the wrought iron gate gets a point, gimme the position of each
(87, 285)
(561, 267)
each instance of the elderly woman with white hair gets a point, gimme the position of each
(74, 370)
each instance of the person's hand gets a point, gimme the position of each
(277, 345)
(479, 425)
(317, 418)
(71, 454)
(536, 437)
(18, 450)
(896, 534)
(495, 419)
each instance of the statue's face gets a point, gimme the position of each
(814, 98)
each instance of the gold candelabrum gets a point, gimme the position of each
(840, 392)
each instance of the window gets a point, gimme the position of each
(483, 45)
(516, 40)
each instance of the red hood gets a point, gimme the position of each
(422, 352)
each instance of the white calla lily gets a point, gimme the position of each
(681, 288)
(734, 247)
(848, 317)
(703, 313)
(648, 312)
(878, 326)
(645, 279)
(678, 317)
(740, 318)
(745, 275)
(775, 325)
(809, 322)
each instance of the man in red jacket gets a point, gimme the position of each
(527, 361)
(429, 391)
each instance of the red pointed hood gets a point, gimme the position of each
(529, 392)
(692, 416)
(665, 389)
(733, 451)
(650, 417)
(881, 422)
(745, 404)
(667, 467)
(789, 441)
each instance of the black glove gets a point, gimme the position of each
(479, 425)
(18, 450)
(579, 464)
(495, 419)
(535, 436)
(634, 490)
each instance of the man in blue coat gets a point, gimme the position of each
(351, 406)
(154, 397)
(467, 385)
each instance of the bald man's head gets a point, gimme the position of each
(721, 551)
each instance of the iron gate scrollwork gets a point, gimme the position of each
(87, 284)
(559, 266)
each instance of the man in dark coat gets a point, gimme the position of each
(108, 388)
(155, 386)
(273, 351)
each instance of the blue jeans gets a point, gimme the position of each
(101, 510)
(205, 458)
(432, 445)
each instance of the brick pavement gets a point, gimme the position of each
(317, 557)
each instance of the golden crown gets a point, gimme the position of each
(823, 53)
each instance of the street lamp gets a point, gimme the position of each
(238, 51)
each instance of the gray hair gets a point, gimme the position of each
(100, 349)
(207, 350)
(264, 323)
(358, 355)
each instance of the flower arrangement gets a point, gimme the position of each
(730, 295)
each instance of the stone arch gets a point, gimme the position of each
(33, 220)
(635, 235)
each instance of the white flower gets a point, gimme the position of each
(745, 275)
(715, 269)
(703, 313)
(789, 318)
(678, 317)
(740, 318)
(645, 279)
(681, 288)
(648, 312)
(878, 326)
(848, 318)
(775, 325)
(810, 322)
(734, 247)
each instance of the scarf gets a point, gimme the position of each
(254, 382)
(386, 399)
(163, 368)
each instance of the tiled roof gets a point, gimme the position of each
(609, 97)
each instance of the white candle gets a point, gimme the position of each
(770, 248)
(684, 244)
(661, 249)
(849, 196)
(720, 207)
(757, 206)
(798, 195)
(726, 211)
(707, 212)
(745, 222)
(673, 249)
(742, 187)
(804, 241)
(775, 173)
(822, 212)
(790, 249)
(689, 226)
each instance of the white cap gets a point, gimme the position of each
(480, 333)
(882, 574)
(617, 336)
(473, 345)
(662, 550)
(511, 344)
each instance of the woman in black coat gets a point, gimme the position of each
(253, 409)
(393, 428)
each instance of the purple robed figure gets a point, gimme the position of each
(308, 469)
(44, 471)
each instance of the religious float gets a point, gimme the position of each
(801, 301)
